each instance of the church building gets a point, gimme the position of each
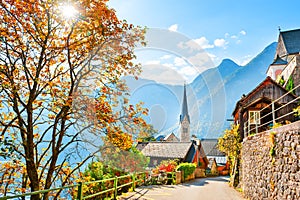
(171, 147)
(184, 131)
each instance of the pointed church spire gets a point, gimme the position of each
(184, 120)
(184, 111)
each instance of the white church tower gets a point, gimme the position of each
(184, 120)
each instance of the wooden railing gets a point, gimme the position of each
(135, 178)
(253, 128)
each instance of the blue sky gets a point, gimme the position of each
(233, 29)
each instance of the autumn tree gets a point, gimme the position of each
(60, 83)
(230, 144)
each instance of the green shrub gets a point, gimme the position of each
(187, 168)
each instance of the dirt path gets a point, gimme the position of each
(215, 188)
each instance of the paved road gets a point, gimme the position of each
(215, 188)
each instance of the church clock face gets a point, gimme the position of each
(184, 130)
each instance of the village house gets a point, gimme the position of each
(254, 112)
(212, 152)
(274, 99)
(182, 151)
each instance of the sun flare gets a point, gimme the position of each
(68, 11)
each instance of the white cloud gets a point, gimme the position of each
(170, 65)
(201, 61)
(220, 43)
(162, 74)
(190, 45)
(173, 27)
(242, 32)
(165, 57)
(226, 35)
(246, 60)
(213, 57)
(188, 71)
(179, 61)
(198, 44)
(233, 37)
(152, 62)
(204, 43)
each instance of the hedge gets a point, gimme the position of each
(187, 168)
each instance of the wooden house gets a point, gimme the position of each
(254, 112)
(211, 150)
(183, 151)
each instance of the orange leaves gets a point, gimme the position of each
(51, 116)
(11, 172)
(119, 139)
(50, 60)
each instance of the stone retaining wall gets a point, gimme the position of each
(271, 164)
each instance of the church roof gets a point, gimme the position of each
(279, 61)
(291, 40)
(184, 111)
(170, 150)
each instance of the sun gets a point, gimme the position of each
(68, 11)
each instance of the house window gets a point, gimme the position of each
(185, 130)
(254, 117)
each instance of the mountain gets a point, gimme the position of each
(211, 96)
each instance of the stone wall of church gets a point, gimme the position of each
(271, 164)
(185, 130)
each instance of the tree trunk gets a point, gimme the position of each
(33, 177)
(235, 172)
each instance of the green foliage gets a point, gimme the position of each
(297, 111)
(99, 171)
(281, 81)
(272, 141)
(276, 125)
(147, 134)
(272, 152)
(131, 160)
(290, 85)
(199, 163)
(187, 168)
(147, 139)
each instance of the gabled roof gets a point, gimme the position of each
(168, 137)
(169, 150)
(265, 82)
(210, 147)
(291, 40)
(261, 99)
(279, 61)
(184, 111)
(141, 145)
